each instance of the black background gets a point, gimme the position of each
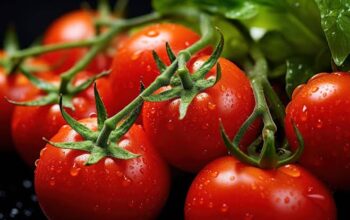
(17, 199)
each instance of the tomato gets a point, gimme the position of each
(321, 111)
(31, 124)
(133, 61)
(73, 26)
(229, 189)
(192, 142)
(111, 189)
(14, 87)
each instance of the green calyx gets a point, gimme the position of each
(267, 156)
(184, 85)
(93, 142)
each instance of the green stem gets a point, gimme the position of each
(183, 72)
(162, 80)
(275, 102)
(34, 51)
(101, 42)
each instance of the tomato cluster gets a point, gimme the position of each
(70, 186)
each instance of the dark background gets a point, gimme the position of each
(17, 199)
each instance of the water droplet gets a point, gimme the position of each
(148, 68)
(152, 33)
(210, 204)
(254, 186)
(211, 106)
(52, 181)
(223, 88)
(319, 123)
(131, 203)
(224, 207)
(304, 108)
(248, 216)
(290, 170)
(201, 201)
(316, 196)
(93, 115)
(187, 43)
(314, 89)
(214, 174)
(170, 125)
(126, 181)
(74, 171)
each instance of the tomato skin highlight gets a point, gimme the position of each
(73, 26)
(31, 124)
(111, 189)
(321, 111)
(192, 142)
(133, 61)
(229, 189)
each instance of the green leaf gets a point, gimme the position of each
(48, 99)
(160, 64)
(100, 108)
(164, 96)
(87, 83)
(186, 98)
(81, 129)
(120, 153)
(96, 154)
(83, 145)
(170, 52)
(299, 70)
(126, 125)
(335, 17)
(47, 87)
(210, 63)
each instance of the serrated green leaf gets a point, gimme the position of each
(100, 108)
(41, 84)
(120, 153)
(160, 64)
(335, 17)
(81, 129)
(48, 99)
(83, 145)
(169, 51)
(164, 96)
(298, 72)
(96, 154)
(126, 125)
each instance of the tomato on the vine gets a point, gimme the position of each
(321, 111)
(229, 189)
(133, 61)
(110, 189)
(73, 26)
(192, 142)
(14, 87)
(31, 123)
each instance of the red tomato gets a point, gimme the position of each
(191, 143)
(133, 61)
(31, 124)
(229, 189)
(14, 87)
(321, 111)
(111, 189)
(74, 26)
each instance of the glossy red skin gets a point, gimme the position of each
(31, 124)
(73, 26)
(191, 143)
(133, 61)
(111, 189)
(321, 111)
(15, 87)
(229, 189)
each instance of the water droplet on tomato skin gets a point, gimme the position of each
(52, 181)
(36, 162)
(319, 123)
(136, 55)
(290, 170)
(170, 125)
(224, 207)
(93, 115)
(248, 216)
(74, 171)
(211, 106)
(210, 205)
